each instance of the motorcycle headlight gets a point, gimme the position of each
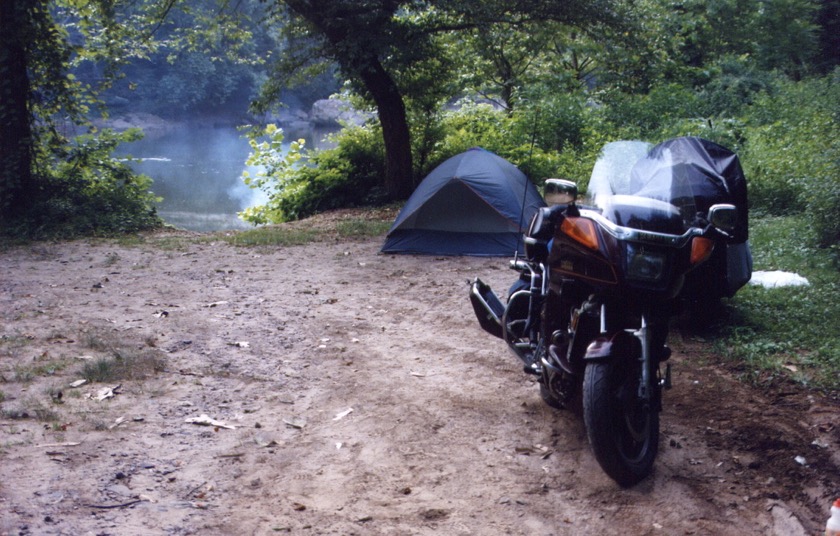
(645, 264)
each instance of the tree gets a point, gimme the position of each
(32, 55)
(373, 40)
(201, 58)
(358, 35)
(790, 36)
(829, 35)
(49, 180)
(504, 55)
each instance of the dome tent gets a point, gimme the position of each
(471, 204)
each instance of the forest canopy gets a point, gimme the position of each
(541, 83)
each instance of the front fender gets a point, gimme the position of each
(619, 344)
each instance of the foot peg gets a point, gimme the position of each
(533, 368)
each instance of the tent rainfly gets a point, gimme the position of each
(476, 203)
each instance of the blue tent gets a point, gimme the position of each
(472, 204)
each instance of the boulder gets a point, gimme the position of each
(332, 112)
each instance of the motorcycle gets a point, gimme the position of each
(661, 228)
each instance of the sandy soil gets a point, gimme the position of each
(353, 393)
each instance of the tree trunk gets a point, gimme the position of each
(351, 28)
(16, 180)
(399, 182)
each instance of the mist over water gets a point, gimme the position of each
(198, 172)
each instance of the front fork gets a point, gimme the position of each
(645, 335)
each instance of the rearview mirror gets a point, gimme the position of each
(560, 192)
(723, 217)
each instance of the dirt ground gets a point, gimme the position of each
(353, 393)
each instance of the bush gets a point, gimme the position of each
(510, 136)
(734, 86)
(300, 183)
(84, 190)
(792, 154)
(472, 125)
(645, 116)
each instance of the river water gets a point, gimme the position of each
(197, 170)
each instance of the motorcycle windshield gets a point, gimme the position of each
(658, 188)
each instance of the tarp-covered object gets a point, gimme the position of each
(711, 172)
(472, 204)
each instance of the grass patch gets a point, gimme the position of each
(97, 341)
(130, 240)
(15, 341)
(362, 228)
(31, 409)
(124, 364)
(133, 365)
(123, 361)
(297, 235)
(28, 373)
(789, 332)
(331, 225)
(273, 236)
(111, 259)
(164, 238)
(173, 243)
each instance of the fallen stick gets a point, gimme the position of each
(106, 506)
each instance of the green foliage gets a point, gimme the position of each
(276, 165)
(528, 138)
(473, 125)
(734, 84)
(787, 36)
(300, 183)
(85, 190)
(792, 154)
(644, 116)
(53, 186)
(553, 119)
(167, 57)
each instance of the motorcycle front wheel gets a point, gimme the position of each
(623, 429)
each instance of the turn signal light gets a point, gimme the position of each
(582, 230)
(701, 249)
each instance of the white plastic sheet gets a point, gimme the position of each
(778, 278)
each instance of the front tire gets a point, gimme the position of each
(623, 429)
